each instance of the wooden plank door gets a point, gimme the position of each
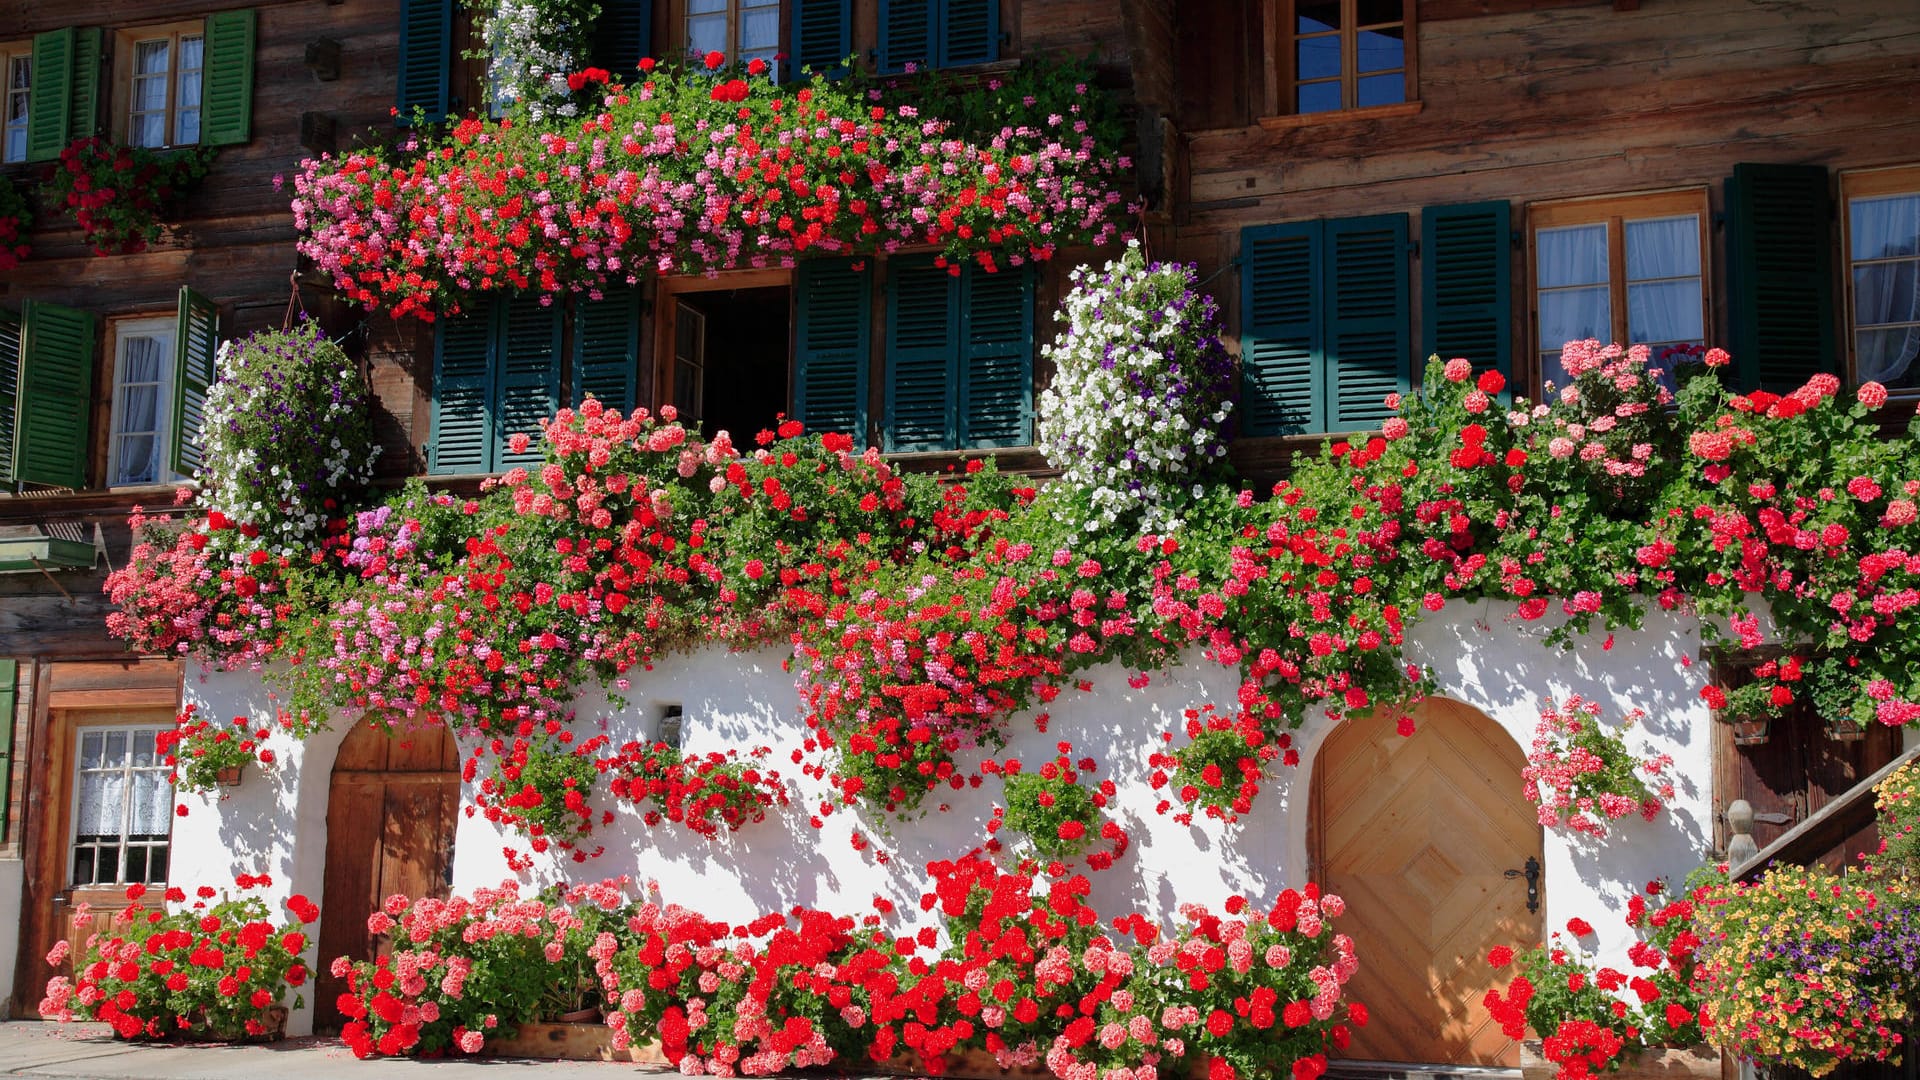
(390, 825)
(1416, 834)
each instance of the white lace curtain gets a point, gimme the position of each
(1886, 292)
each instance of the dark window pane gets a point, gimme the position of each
(106, 868)
(83, 866)
(136, 864)
(1381, 11)
(1317, 57)
(1383, 89)
(1313, 18)
(1382, 50)
(157, 865)
(1317, 97)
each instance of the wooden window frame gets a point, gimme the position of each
(11, 51)
(1280, 79)
(125, 43)
(103, 721)
(665, 323)
(1866, 184)
(163, 436)
(678, 38)
(1615, 211)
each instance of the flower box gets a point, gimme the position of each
(1683, 1063)
(229, 777)
(1846, 732)
(571, 1042)
(1750, 731)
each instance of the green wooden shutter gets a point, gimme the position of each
(9, 389)
(426, 58)
(622, 35)
(1283, 385)
(1466, 282)
(529, 381)
(822, 34)
(196, 339)
(996, 375)
(50, 100)
(1368, 353)
(606, 348)
(227, 103)
(84, 115)
(833, 310)
(922, 356)
(463, 429)
(56, 394)
(906, 30)
(969, 32)
(1780, 274)
(9, 689)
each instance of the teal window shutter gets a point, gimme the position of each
(996, 376)
(833, 308)
(529, 379)
(56, 395)
(9, 389)
(9, 690)
(822, 34)
(196, 340)
(906, 34)
(463, 391)
(969, 32)
(50, 100)
(1466, 284)
(1367, 351)
(1283, 383)
(606, 348)
(1780, 274)
(426, 59)
(227, 102)
(622, 35)
(923, 350)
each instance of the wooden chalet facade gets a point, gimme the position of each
(1361, 183)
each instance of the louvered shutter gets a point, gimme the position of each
(969, 32)
(83, 116)
(833, 311)
(226, 115)
(1367, 346)
(1780, 274)
(1283, 386)
(426, 58)
(9, 389)
(463, 429)
(906, 31)
(606, 348)
(996, 376)
(196, 339)
(622, 35)
(56, 392)
(922, 356)
(529, 376)
(822, 34)
(9, 689)
(1466, 282)
(50, 100)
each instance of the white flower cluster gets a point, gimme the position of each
(1141, 391)
(532, 46)
(285, 437)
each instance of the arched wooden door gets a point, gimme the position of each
(1417, 833)
(390, 824)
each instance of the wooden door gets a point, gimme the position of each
(1416, 834)
(390, 825)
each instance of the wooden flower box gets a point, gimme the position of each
(1683, 1063)
(580, 1041)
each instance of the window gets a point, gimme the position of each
(959, 357)
(741, 30)
(1883, 274)
(730, 349)
(498, 369)
(187, 83)
(1626, 270)
(1345, 54)
(1324, 333)
(142, 394)
(163, 103)
(123, 807)
(18, 62)
(921, 34)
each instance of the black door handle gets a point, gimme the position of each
(1532, 874)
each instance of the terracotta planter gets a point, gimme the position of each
(1846, 733)
(1750, 731)
(229, 777)
(1683, 1063)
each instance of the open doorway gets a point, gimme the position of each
(731, 358)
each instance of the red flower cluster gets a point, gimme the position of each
(705, 792)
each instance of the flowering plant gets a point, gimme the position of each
(120, 194)
(1582, 775)
(1591, 1019)
(16, 217)
(199, 584)
(704, 792)
(1141, 392)
(286, 434)
(213, 969)
(1897, 803)
(1767, 696)
(1060, 816)
(198, 750)
(530, 47)
(538, 781)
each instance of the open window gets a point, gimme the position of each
(728, 366)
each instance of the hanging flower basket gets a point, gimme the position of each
(229, 777)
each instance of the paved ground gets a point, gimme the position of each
(38, 1049)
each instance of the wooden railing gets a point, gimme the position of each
(1817, 839)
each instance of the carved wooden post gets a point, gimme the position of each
(1740, 842)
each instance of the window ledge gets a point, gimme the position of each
(1339, 116)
